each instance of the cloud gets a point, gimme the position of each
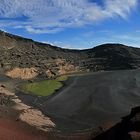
(120, 7)
(130, 39)
(63, 45)
(51, 16)
(42, 30)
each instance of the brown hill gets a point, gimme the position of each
(18, 52)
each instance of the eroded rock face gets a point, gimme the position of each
(23, 73)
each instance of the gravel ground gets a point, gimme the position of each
(90, 100)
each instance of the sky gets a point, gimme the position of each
(75, 24)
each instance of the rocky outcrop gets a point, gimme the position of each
(22, 73)
(127, 129)
(35, 118)
(60, 67)
(50, 74)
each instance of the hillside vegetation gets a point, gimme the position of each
(44, 88)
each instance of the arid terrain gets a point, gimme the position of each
(20, 55)
(103, 85)
(89, 100)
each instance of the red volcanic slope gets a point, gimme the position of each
(15, 130)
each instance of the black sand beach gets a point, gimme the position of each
(90, 100)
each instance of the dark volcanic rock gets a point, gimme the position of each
(121, 131)
(21, 52)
